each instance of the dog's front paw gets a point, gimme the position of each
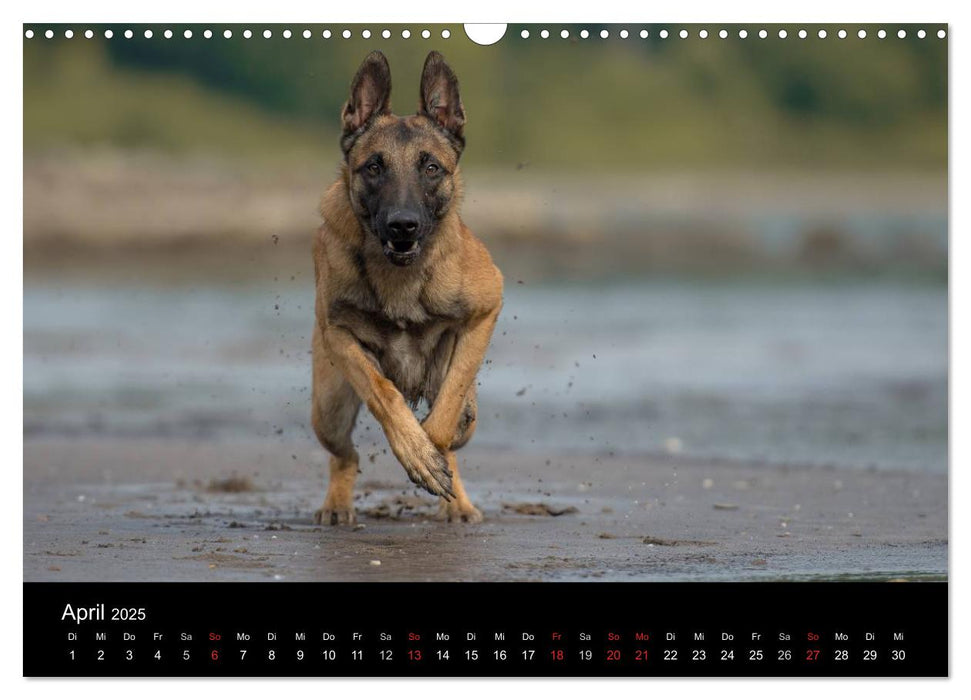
(424, 463)
(458, 510)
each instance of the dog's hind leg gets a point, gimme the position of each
(333, 414)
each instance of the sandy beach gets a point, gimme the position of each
(137, 510)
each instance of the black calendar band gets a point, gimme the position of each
(486, 629)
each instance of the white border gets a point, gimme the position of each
(706, 11)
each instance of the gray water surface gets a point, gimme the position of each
(849, 374)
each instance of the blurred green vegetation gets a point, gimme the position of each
(591, 104)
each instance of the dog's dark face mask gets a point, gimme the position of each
(402, 171)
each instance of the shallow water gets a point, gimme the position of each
(850, 374)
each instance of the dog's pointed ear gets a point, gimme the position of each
(440, 99)
(370, 97)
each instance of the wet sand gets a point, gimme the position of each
(177, 509)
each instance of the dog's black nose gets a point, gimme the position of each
(403, 224)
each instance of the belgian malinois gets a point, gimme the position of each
(407, 296)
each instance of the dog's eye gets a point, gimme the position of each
(431, 169)
(374, 169)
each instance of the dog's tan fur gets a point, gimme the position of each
(390, 336)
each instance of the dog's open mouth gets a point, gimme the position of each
(401, 252)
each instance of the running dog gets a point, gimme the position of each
(406, 296)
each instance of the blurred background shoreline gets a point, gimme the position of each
(585, 159)
(86, 206)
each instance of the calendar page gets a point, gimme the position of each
(485, 350)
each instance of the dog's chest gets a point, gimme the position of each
(416, 362)
(411, 339)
